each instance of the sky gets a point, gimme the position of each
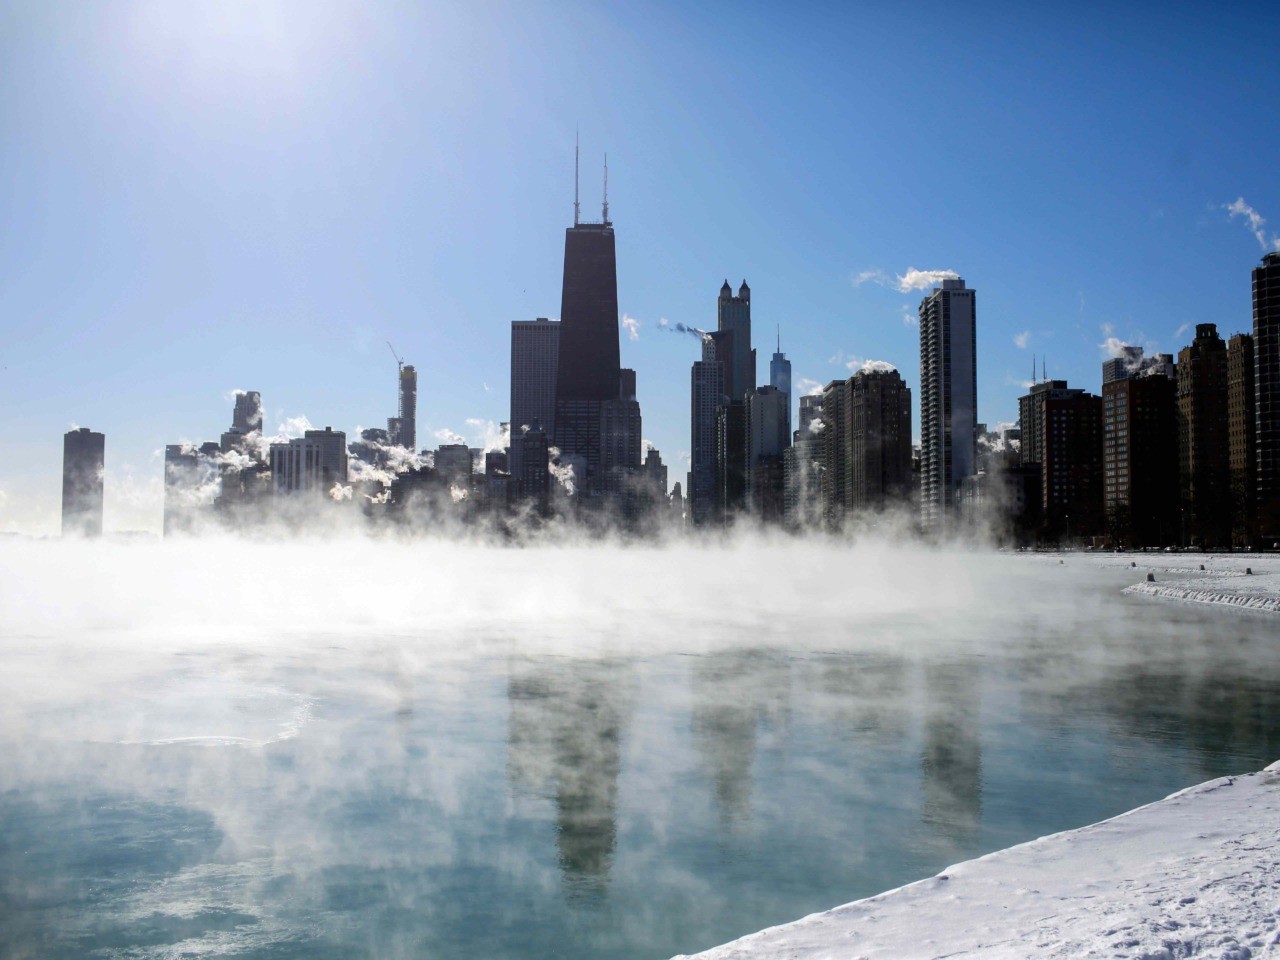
(197, 198)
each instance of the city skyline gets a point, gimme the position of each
(150, 315)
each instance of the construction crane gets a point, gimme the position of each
(396, 355)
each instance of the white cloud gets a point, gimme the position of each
(808, 387)
(876, 366)
(1257, 225)
(445, 435)
(1021, 340)
(1185, 328)
(910, 318)
(632, 326)
(915, 279)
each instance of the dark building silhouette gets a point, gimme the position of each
(733, 317)
(706, 396)
(731, 460)
(866, 444)
(588, 368)
(780, 377)
(83, 463)
(768, 436)
(1242, 439)
(535, 358)
(1071, 466)
(530, 473)
(1266, 386)
(1031, 416)
(1140, 460)
(402, 429)
(620, 438)
(1203, 447)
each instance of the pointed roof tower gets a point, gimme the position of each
(726, 291)
(744, 292)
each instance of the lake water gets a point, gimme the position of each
(268, 752)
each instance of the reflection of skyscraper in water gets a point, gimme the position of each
(564, 743)
(735, 696)
(861, 694)
(951, 757)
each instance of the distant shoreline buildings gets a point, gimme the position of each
(1168, 453)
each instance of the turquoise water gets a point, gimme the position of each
(353, 797)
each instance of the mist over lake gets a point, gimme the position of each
(350, 748)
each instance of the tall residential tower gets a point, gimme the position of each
(948, 399)
(1266, 391)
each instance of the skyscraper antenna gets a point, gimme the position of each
(1033, 369)
(606, 188)
(779, 338)
(1043, 376)
(575, 178)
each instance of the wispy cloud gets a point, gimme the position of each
(808, 387)
(1022, 339)
(909, 317)
(632, 326)
(1185, 328)
(915, 279)
(1255, 221)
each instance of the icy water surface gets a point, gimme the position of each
(269, 752)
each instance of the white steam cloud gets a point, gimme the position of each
(632, 326)
(913, 279)
(1022, 339)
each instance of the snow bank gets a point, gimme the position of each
(1245, 580)
(1194, 875)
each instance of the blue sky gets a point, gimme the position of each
(197, 198)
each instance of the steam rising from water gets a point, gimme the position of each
(574, 749)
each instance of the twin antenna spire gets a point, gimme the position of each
(577, 207)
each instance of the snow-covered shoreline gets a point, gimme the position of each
(1194, 875)
(1240, 580)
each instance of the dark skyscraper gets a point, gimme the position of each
(706, 396)
(1242, 439)
(1140, 460)
(733, 316)
(402, 429)
(1266, 387)
(83, 455)
(587, 372)
(1203, 446)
